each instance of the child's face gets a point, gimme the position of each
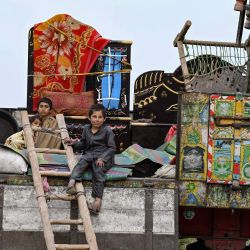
(36, 123)
(97, 119)
(43, 109)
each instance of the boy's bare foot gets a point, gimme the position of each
(95, 207)
(98, 204)
(71, 187)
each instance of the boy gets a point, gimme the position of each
(99, 147)
(46, 140)
(17, 140)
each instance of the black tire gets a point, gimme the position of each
(8, 125)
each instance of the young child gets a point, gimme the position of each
(17, 140)
(47, 140)
(99, 147)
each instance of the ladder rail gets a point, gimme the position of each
(41, 199)
(82, 203)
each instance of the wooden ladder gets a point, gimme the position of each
(42, 198)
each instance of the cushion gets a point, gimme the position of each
(11, 161)
(70, 103)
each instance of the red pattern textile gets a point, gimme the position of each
(171, 133)
(70, 104)
(62, 48)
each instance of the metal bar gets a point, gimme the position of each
(240, 25)
(73, 228)
(146, 124)
(108, 118)
(178, 139)
(180, 36)
(214, 43)
(148, 219)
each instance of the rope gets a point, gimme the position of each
(42, 195)
(79, 193)
(76, 195)
(79, 41)
(124, 71)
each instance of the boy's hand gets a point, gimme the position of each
(100, 163)
(69, 141)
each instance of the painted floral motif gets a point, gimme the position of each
(54, 42)
(62, 54)
(192, 193)
(222, 167)
(222, 160)
(247, 108)
(193, 159)
(225, 107)
(73, 23)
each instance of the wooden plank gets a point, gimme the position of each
(64, 197)
(42, 204)
(184, 66)
(71, 247)
(83, 208)
(46, 130)
(66, 222)
(50, 151)
(55, 173)
(180, 36)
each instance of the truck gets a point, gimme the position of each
(137, 213)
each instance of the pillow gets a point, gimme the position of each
(11, 162)
(70, 103)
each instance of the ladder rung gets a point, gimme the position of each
(66, 222)
(71, 246)
(50, 150)
(55, 173)
(65, 197)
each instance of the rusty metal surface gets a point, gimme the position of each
(154, 234)
(60, 181)
(226, 80)
(34, 240)
(148, 219)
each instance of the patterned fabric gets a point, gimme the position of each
(171, 133)
(52, 159)
(56, 162)
(135, 154)
(48, 140)
(113, 174)
(16, 141)
(63, 47)
(169, 147)
(70, 103)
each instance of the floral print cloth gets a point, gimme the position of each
(64, 48)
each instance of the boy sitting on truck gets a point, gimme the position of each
(99, 147)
